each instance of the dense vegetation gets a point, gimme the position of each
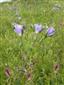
(32, 59)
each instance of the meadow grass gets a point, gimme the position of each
(31, 51)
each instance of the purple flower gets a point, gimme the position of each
(50, 31)
(38, 28)
(18, 29)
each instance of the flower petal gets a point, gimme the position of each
(18, 29)
(38, 28)
(50, 31)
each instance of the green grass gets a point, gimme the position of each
(19, 52)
